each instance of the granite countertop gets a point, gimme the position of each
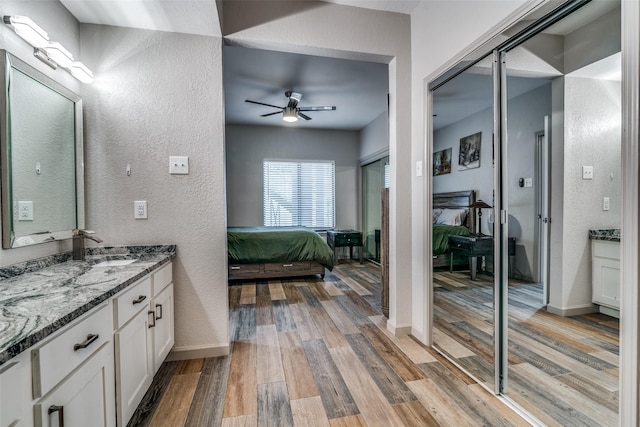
(611, 234)
(39, 297)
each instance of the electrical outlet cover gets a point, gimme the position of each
(140, 209)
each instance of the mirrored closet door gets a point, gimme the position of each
(535, 318)
(462, 201)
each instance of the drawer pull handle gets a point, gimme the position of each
(139, 299)
(158, 310)
(235, 267)
(60, 411)
(287, 265)
(86, 343)
(152, 324)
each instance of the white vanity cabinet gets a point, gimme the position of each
(144, 337)
(72, 373)
(93, 371)
(134, 359)
(605, 265)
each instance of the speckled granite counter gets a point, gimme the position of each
(39, 297)
(611, 234)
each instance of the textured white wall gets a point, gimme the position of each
(440, 32)
(591, 137)
(248, 146)
(347, 32)
(61, 27)
(158, 94)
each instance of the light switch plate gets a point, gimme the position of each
(419, 168)
(179, 165)
(528, 182)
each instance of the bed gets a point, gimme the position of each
(452, 214)
(269, 252)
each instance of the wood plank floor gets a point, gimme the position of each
(311, 352)
(563, 370)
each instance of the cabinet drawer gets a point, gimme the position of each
(131, 301)
(57, 358)
(162, 278)
(244, 268)
(606, 249)
(287, 266)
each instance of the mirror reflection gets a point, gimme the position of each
(41, 149)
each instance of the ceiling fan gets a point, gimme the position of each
(291, 111)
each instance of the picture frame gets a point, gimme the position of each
(442, 162)
(469, 153)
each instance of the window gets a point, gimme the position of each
(299, 193)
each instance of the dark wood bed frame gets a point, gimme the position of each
(455, 200)
(274, 269)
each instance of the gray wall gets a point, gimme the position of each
(158, 94)
(248, 146)
(526, 117)
(374, 138)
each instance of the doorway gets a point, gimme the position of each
(526, 326)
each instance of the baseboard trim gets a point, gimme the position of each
(398, 330)
(573, 311)
(197, 352)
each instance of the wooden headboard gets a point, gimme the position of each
(458, 200)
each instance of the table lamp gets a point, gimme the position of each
(479, 205)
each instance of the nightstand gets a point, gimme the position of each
(473, 247)
(342, 239)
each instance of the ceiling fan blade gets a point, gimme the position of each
(270, 114)
(262, 103)
(325, 108)
(303, 116)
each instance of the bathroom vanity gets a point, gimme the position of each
(605, 270)
(80, 341)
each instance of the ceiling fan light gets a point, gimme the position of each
(289, 115)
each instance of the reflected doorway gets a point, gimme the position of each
(375, 177)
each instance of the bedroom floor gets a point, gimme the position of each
(316, 353)
(564, 370)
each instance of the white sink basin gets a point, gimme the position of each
(115, 263)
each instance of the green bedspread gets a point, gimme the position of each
(254, 245)
(441, 236)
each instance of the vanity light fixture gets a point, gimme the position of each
(28, 30)
(289, 115)
(51, 53)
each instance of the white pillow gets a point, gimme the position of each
(452, 217)
(436, 213)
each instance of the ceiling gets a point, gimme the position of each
(357, 89)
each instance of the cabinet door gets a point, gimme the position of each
(14, 381)
(134, 364)
(85, 398)
(163, 337)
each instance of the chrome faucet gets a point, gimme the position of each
(78, 242)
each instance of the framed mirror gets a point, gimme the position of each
(41, 150)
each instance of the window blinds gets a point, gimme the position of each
(299, 193)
